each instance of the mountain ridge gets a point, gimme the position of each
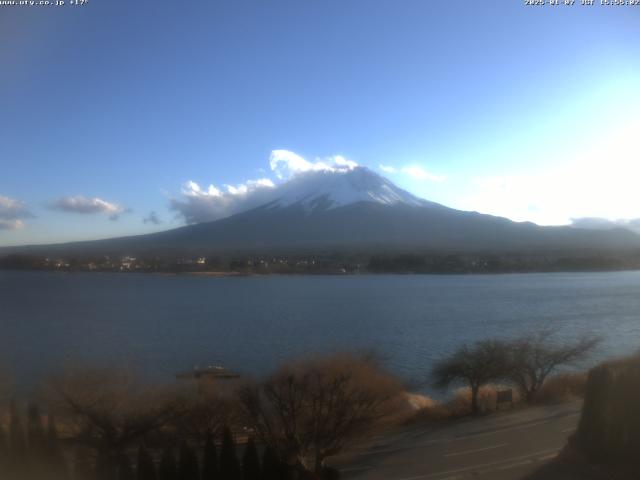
(352, 210)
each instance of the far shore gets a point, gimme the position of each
(219, 274)
(361, 273)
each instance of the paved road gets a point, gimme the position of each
(503, 446)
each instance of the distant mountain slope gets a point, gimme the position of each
(354, 210)
(376, 226)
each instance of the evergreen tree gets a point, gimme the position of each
(106, 467)
(269, 464)
(146, 468)
(37, 442)
(82, 464)
(167, 469)
(53, 441)
(17, 443)
(35, 431)
(188, 464)
(250, 462)
(210, 460)
(53, 451)
(229, 465)
(4, 454)
(125, 470)
(329, 473)
(272, 467)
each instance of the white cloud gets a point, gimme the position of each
(414, 171)
(12, 213)
(249, 186)
(192, 189)
(203, 205)
(11, 224)
(11, 209)
(286, 164)
(420, 173)
(89, 206)
(343, 163)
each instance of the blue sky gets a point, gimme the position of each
(108, 109)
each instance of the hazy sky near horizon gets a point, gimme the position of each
(109, 110)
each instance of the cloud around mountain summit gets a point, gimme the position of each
(198, 204)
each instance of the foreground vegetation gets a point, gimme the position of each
(106, 425)
(524, 363)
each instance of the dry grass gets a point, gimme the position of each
(436, 413)
(417, 408)
(562, 388)
(460, 404)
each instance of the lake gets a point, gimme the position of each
(163, 324)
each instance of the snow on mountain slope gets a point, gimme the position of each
(325, 190)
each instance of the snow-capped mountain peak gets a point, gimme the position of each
(332, 189)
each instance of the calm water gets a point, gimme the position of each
(164, 324)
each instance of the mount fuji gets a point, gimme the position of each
(326, 190)
(352, 210)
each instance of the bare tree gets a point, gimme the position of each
(206, 413)
(533, 358)
(109, 410)
(313, 409)
(476, 365)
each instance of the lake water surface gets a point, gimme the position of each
(165, 324)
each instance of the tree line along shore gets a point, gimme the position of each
(330, 263)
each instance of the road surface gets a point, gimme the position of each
(502, 446)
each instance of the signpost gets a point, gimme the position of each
(504, 397)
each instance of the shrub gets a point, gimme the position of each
(229, 464)
(313, 409)
(250, 462)
(125, 470)
(433, 413)
(330, 473)
(210, 469)
(146, 467)
(167, 469)
(461, 404)
(563, 387)
(188, 468)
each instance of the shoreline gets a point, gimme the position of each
(237, 274)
